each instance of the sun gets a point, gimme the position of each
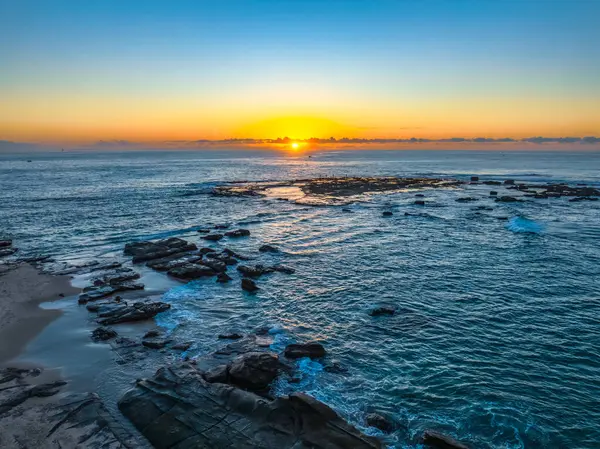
(295, 145)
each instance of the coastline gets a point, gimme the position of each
(22, 289)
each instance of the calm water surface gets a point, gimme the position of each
(497, 335)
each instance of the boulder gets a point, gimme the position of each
(465, 199)
(232, 336)
(380, 422)
(420, 203)
(177, 408)
(203, 231)
(153, 333)
(387, 213)
(299, 350)
(255, 271)
(138, 311)
(437, 440)
(493, 193)
(268, 249)
(145, 251)
(383, 311)
(507, 199)
(5, 243)
(238, 233)
(207, 250)
(216, 265)
(223, 278)
(283, 269)
(103, 334)
(191, 271)
(213, 237)
(509, 182)
(249, 285)
(254, 370)
(474, 178)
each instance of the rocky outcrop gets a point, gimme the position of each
(387, 213)
(178, 409)
(103, 334)
(380, 422)
(191, 271)
(383, 311)
(4, 243)
(238, 233)
(283, 269)
(213, 237)
(507, 199)
(437, 440)
(102, 291)
(249, 285)
(256, 271)
(7, 251)
(138, 311)
(148, 250)
(268, 249)
(36, 416)
(173, 261)
(299, 350)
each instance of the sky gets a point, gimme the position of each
(74, 71)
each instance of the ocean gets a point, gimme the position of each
(497, 335)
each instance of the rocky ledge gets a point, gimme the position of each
(178, 409)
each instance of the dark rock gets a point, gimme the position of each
(299, 350)
(5, 243)
(582, 198)
(223, 277)
(380, 422)
(268, 249)
(437, 440)
(509, 182)
(7, 251)
(466, 199)
(474, 178)
(207, 250)
(249, 285)
(153, 333)
(232, 253)
(238, 233)
(493, 193)
(492, 183)
(383, 311)
(283, 269)
(218, 374)
(254, 370)
(155, 344)
(191, 271)
(103, 334)
(419, 195)
(233, 336)
(221, 226)
(182, 346)
(144, 251)
(387, 213)
(136, 312)
(213, 237)
(216, 265)
(507, 199)
(255, 271)
(118, 277)
(420, 203)
(203, 231)
(177, 405)
(173, 261)
(103, 291)
(345, 209)
(335, 367)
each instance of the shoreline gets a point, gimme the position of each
(22, 289)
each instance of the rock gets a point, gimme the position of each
(299, 350)
(474, 178)
(420, 203)
(238, 233)
(380, 422)
(222, 226)
(155, 344)
(249, 285)
(118, 277)
(191, 271)
(346, 209)
(335, 367)
(7, 251)
(223, 277)
(207, 250)
(493, 193)
(509, 182)
(255, 271)
(233, 336)
(465, 199)
(218, 374)
(136, 312)
(103, 334)
(213, 237)
(492, 183)
(203, 231)
(177, 408)
(387, 213)
(419, 195)
(182, 346)
(145, 251)
(103, 291)
(437, 440)
(507, 199)
(268, 249)
(283, 269)
(173, 261)
(254, 370)
(153, 333)
(216, 265)
(5, 243)
(383, 311)
(232, 253)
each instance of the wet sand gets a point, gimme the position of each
(22, 289)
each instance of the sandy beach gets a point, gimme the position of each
(22, 289)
